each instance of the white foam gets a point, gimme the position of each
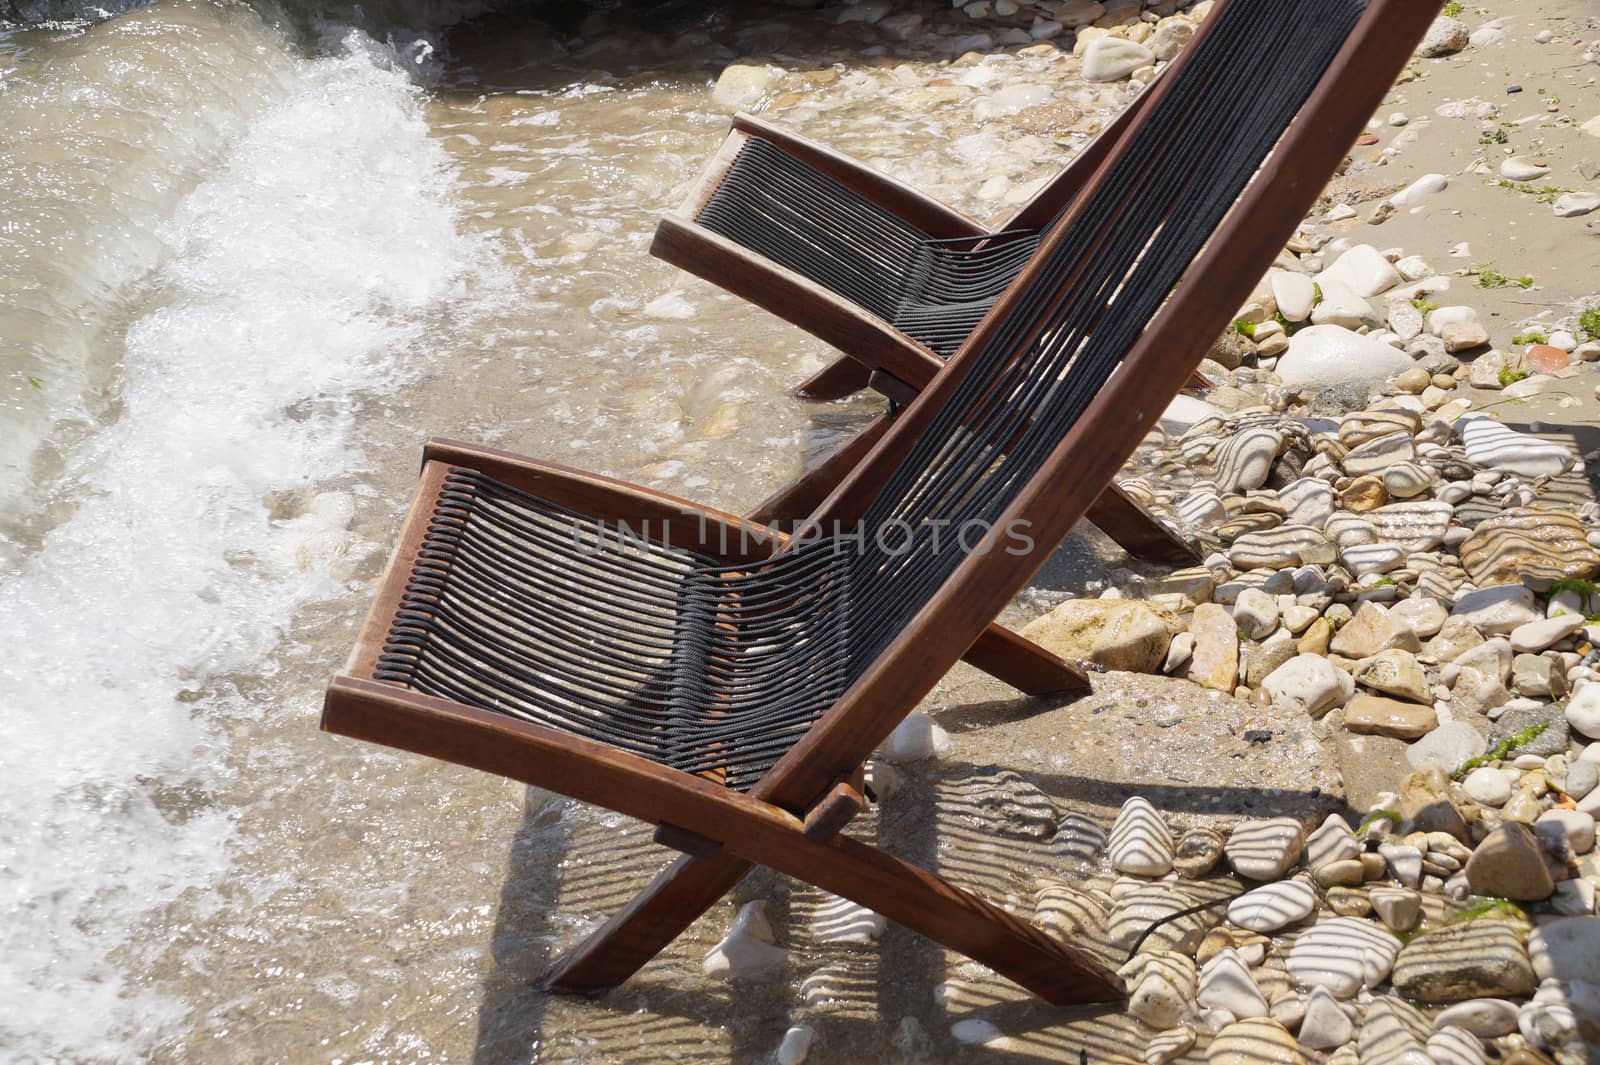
(302, 274)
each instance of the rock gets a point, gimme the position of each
(915, 739)
(1215, 663)
(1464, 336)
(1419, 190)
(1168, 1046)
(1464, 960)
(741, 87)
(1282, 547)
(1552, 740)
(1574, 204)
(1376, 456)
(1316, 639)
(1372, 560)
(1404, 320)
(1265, 850)
(1331, 842)
(1393, 672)
(1134, 912)
(1494, 446)
(1416, 380)
(839, 920)
(1331, 356)
(1404, 862)
(1123, 634)
(1341, 306)
(1446, 36)
(1161, 984)
(1425, 801)
(1567, 950)
(1080, 840)
(1397, 907)
(1178, 653)
(1392, 1033)
(1528, 544)
(1483, 1017)
(1230, 349)
(795, 1046)
(1343, 955)
(1169, 38)
(1406, 480)
(1069, 913)
(1226, 984)
(1364, 494)
(1446, 747)
(1573, 828)
(1543, 358)
(1273, 906)
(1184, 412)
(1245, 458)
(1113, 58)
(1256, 613)
(1295, 294)
(1583, 710)
(1521, 168)
(1490, 786)
(1426, 616)
(1535, 636)
(1508, 864)
(1258, 660)
(1309, 682)
(1364, 269)
(1308, 502)
(747, 951)
(1495, 610)
(1325, 1026)
(1140, 844)
(1256, 1041)
(1373, 630)
(1198, 852)
(1371, 715)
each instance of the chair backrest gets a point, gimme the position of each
(1023, 429)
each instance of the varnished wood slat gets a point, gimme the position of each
(1139, 532)
(802, 496)
(757, 831)
(833, 811)
(842, 377)
(1023, 664)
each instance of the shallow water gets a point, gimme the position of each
(249, 259)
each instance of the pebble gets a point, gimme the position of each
(1446, 747)
(1294, 292)
(1215, 662)
(838, 920)
(1161, 985)
(1376, 456)
(796, 1044)
(1575, 204)
(1245, 459)
(1483, 1017)
(1567, 949)
(1079, 839)
(1311, 683)
(1521, 168)
(1226, 984)
(1535, 636)
(747, 950)
(1477, 958)
(1140, 843)
(1528, 544)
(1198, 852)
(1392, 1033)
(1376, 716)
(1455, 1046)
(1490, 786)
(1397, 907)
(1265, 850)
(1343, 954)
(1583, 710)
(1420, 189)
(1363, 269)
(1573, 828)
(1113, 58)
(1274, 906)
(1394, 672)
(1136, 910)
(1372, 630)
(1256, 1041)
(1331, 842)
(1495, 446)
(1332, 356)
(1508, 863)
(1168, 1046)
(1496, 610)
(1445, 36)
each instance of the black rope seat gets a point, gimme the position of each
(706, 667)
(935, 291)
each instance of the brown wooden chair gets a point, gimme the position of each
(726, 683)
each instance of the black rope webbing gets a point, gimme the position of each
(718, 669)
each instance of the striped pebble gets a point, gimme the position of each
(1491, 445)
(1343, 954)
(1331, 842)
(1079, 839)
(1140, 908)
(1201, 508)
(1377, 455)
(1069, 913)
(1456, 1046)
(1226, 984)
(1360, 426)
(1348, 530)
(1284, 547)
(1381, 557)
(1527, 543)
(1407, 480)
(1265, 850)
(1393, 1033)
(1140, 843)
(1168, 1046)
(1273, 906)
(1245, 459)
(1415, 526)
(1161, 984)
(1308, 501)
(1257, 1041)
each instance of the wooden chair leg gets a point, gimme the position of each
(1139, 532)
(1023, 664)
(663, 911)
(842, 377)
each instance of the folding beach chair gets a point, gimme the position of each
(728, 685)
(894, 279)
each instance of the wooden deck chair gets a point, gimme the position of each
(894, 279)
(727, 685)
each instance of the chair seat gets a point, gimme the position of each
(516, 605)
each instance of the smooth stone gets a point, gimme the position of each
(1364, 269)
(1080, 840)
(1245, 459)
(1134, 912)
(742, 87)
(1140, 844)
(1331, 356)
(1574, 828)
(1455, 1046)
(1185, 412)
(1256, 613)
(838, 920)
(1464, 336)
(1273, 906)
(1377, 455)
(1425, 615)
(1534, 636)
(1486, 1018)
(1376, 716)
(1574, 204)
(1215, 662)
(1168, 1046)
(1362, 426)
(1496, 610)
(1118, 634)
(915, 739)
(1406, 480)
(1583, 710)
(1342, 306)
(1521, 168)
(1161, 984)
(1308, 501)
(1309, 682)
(1394, 672)
(1498, 447)
(1363, 494)
(1420, 189)
(1446, 747)
(1255, 1041)
(1265, 849)
(1553, 740)
(1226, 984)
(747, 950)
(1567, 950)
(1404, 862)
(1113, 58)
(1295, 294)
(1331, 842)
(1283, 547)
(1198, 852)
(1426, 800)
(1490, 786)
(1343, 954)
(1068, 912)
(795, 1045)
(1526, 544)
(1372, 630)
(1325, 1025)
(1508, 863)
(1445, 36)
(1397, 907)
(1392, 1033)
(1479, 958)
